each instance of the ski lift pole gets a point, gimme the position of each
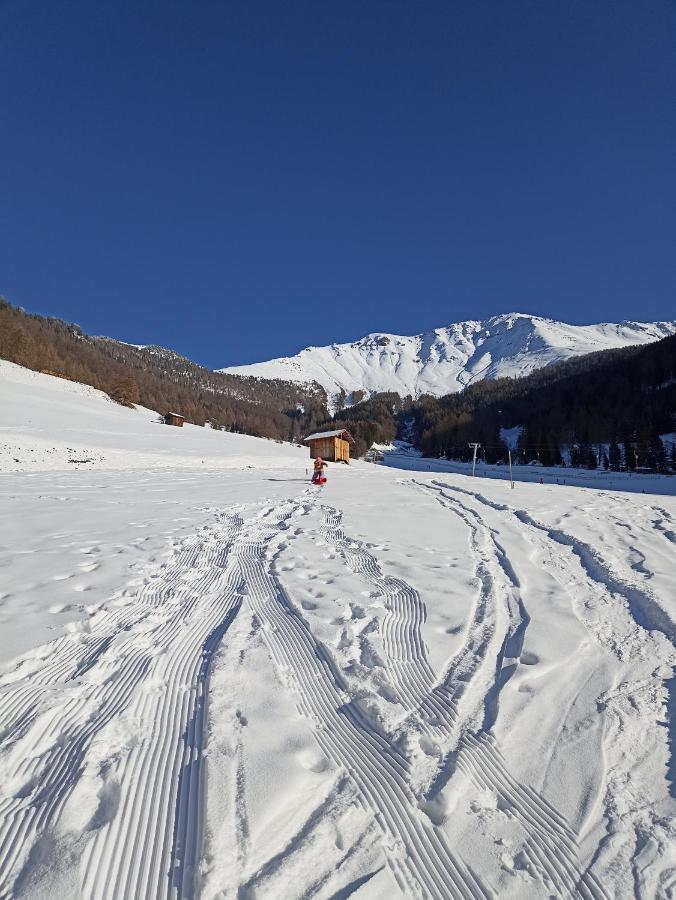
(511, 479)
(476, 447)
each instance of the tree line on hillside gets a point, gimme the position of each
(160, 379)
(374, 421)
(607, 408)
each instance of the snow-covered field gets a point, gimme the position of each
(218, 681)
(401, 455)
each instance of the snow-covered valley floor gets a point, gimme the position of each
(218, 681)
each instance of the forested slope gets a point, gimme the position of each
(606, 408)
(160, 379)
(613, 404)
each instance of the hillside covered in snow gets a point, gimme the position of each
(217, 680)
(158, 378)
(445, 360)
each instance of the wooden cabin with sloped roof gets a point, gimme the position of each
(333, 446)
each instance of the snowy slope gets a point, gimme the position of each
(219, 681)
(445, 360)
(51, 423)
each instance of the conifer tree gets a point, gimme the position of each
(658, 455)
(614, 456)
(630, 460)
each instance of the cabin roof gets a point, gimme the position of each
(329, 434)
(178, 415)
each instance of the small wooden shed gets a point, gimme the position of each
(333, 446)
(174, 419)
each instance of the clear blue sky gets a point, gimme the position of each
(237, 179)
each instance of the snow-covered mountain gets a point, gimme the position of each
(445, 360)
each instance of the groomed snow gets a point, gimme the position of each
(219, 681)
(445, 360)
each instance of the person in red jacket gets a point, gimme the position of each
(318, 476)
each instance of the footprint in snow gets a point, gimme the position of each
(59, 608)
(313, 761)
(386, 692)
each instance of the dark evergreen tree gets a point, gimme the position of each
(614, 456)
(644, 455)
(658, 455)
(629, 454)
(588, 458)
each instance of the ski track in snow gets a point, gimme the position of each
(146, 830)
(406, 654)
(551, 843)
(644, 633)
(420, 859)
(146, 660)
(123, 707)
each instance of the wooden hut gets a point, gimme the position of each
(333, 446)
(174, 419)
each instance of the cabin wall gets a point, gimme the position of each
(342, 450)
(324, 448)
(330, 449)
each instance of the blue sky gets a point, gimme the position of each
(237, 180)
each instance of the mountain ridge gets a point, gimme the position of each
(447, 359)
